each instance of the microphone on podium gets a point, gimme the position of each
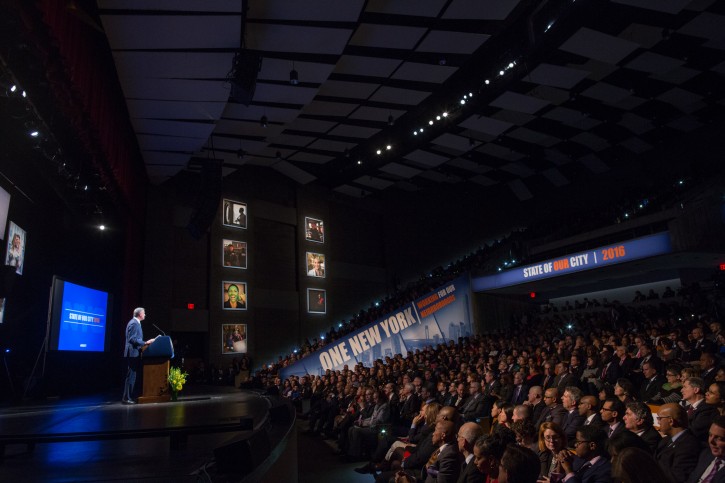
(157, 328)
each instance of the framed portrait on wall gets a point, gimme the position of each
(234, 295)
(234, 253)
(234, 338)
(315, 265)
(234, 214)
(314, 230)
(316, 301)
(15, 256)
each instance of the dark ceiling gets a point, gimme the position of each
(564, 93)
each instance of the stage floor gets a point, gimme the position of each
(146, 459)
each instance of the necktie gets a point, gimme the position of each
(690, 411)
(604, 373)
(609, 432)
(433, 458)
(713, 471)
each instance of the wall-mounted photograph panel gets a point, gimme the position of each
(315, 265)
(234, 295)
(15, 256)
(234, 253)
(234, 338)
(314, 230)
(234, 214)
(316, 301)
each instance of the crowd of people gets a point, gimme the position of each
(632, 394)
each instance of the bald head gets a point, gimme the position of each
(588, 405)
(550, 396)
(447, 413)
(467, 436)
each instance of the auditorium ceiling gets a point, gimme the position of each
(407, 95)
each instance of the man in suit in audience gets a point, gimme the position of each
(520, 392)
(611, 370)
(590, 465)
(553, 412)
(699, 413)
(563, 378)
(409, 406)
(652, 382)
(707, 365)
(572, 421)
(612, 413)
(638, 419)
(549, 376)
(700, 343)
(446, 466)
(625, 362)
(678, 451)
(473, 408)
(711, 463)
(467, 436)
(589, 409)
(536, 402)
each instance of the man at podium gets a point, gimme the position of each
(132, 352)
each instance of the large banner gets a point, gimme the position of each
(440, 316)
(647, 246)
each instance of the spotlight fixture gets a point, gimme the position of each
(359, 162)
(102, 227)
(34, 134)
(264, 122)
(445, 114)
(378, 152)
(388, 147)
(293, 76)
(13, 88)
(487, 82)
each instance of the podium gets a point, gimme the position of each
(155, 360)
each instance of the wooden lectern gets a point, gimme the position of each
(156, 371)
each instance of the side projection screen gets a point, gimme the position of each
(79, 317)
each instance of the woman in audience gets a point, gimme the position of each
(551, 440)
(715, 396)
(505, 416)
(624, 390)
(526, 434)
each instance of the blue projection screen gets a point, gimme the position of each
(79, 318)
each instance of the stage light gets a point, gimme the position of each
(421, 129)
(264, 122)
(7, 351)
(322, 337)
(500, 72)
(359, 162)
(438, 118)
(377, 304)
(511, 65)
(463, 101)
(499, 269)
(293, 76)
(295, 351)
(13, 88)
(470, 94)
(487, 82)
(34, 134)
(430, 122)
(445, 114)
(102, 227)
(415, 133)
(340, 324)
(569, 326)
(378, 152)
(388, 147)
(24, 94)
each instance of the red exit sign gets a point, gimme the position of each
(722, 267)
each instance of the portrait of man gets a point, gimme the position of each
(315, 265)
(316, 301)
(234, 214)
(234, 253)
(16, 248)
(234, 296)
(234, 338)
(314, 230)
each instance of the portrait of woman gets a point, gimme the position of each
(235, 296)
